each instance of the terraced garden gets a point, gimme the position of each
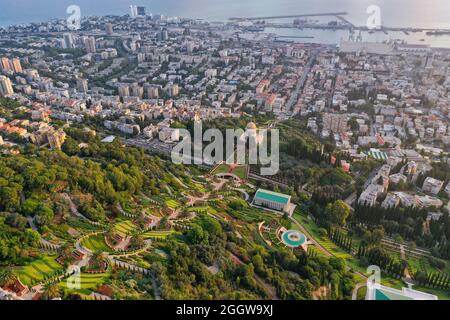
(95, 243)
(201, 209)
(125, 228)
(81, 224)
(157, 234)
(199, 187)
(273, 238)
(87, 281)
(38, 270)
(173, 204)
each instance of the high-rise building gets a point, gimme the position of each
(5, 64)
(17, 66)
(164, 35)
(68, 41)
(45, 85)
(133, 11)
(137, 91)
(141, 11)
(190, 46)
(124, 90)
(335, 122)
(54, 138)
(173, 90)
(90, 44)
(152, 92)
(32, 74)
(13, 65)
(6, 87)
(109, 29)
(82, 85)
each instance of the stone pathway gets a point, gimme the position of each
(46, 244)
(75, 211)
(356, 289)
(246, 195)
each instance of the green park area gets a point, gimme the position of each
(222, 168)
(240, 171)
(125, 228)
(201, 209)
(38, 270)
(157, 234)
(172, 204)
(326, 243)
(95, 243)
(87, 282)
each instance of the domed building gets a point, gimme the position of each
(252, 132)
(252, 125)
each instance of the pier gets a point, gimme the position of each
(294, 37)
(288, 16)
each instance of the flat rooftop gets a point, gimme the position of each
(385, 295)
(380, 292)
(109, 139)
(272, 196)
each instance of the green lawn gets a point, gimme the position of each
(87, 281)
(354, 263)
(273, 238)
(361, 294)
(201, 209)
(423, 265)
(157, 234)
(313, 229)
(81, 224)
(241, 172)
(223, 168)
(391, 282)
(38, 270)
(199, 187)
(96, 243)
(442, 294)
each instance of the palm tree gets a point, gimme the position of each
(6, 276)
(51, 291)
(110, 232)
(66, 250)
(97, 257)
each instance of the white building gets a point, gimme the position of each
(432, 185)
(272, 200)
(169, 135)
(376, 291)
(6, 87)
(369, 196)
